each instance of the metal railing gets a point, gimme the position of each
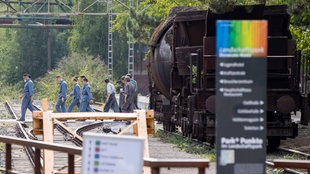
(154, 164)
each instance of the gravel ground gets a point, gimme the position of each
(301, 142)
(158, 149)
(161, 150)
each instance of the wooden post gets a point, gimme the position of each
(150, 121)
(48, 133)
(71, 164)
(155, 170)
(8, 158)
(142, 132)
(37, 122)
(201, 170)
(45, 104)
(37, 157)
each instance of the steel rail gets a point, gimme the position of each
(22, 133)
(307, 155)
(292, 171)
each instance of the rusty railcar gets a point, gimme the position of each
(182, 71)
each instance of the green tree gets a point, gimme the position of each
(75, 65)
(91, 33)
(142, 20)
(25, 50)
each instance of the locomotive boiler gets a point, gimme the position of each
(182, 71)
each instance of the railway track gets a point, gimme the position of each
(22, 157)
(286, 170)
(10, 113)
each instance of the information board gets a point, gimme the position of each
(241, 84)
(111, 154)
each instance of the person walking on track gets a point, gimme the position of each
(87, 97)
(135, 85)
(27, 97)
(62, 95)
(76, 95)
(111, 100)
(129, 91)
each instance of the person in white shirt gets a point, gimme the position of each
(111, 100)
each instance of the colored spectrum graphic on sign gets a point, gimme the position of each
(241, 38)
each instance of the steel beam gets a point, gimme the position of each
(55, 26)
(62, 14)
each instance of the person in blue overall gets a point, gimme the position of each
(87, 97)
(27, 97)
(111, 100)
(76, 95)
(62, 95)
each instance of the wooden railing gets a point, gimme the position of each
(154, 164)
(38, 145)
(295, 164)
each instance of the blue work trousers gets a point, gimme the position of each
(75, 102)
(111, 103)
(61, 106)
(85, 107)
(26, 103)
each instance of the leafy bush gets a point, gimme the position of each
(74, 65)
(9, 92)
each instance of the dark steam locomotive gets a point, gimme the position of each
(182, 84)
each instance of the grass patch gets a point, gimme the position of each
(9, 92)
(294, 157)
(187, 145)
(2, 147)
(274, 171)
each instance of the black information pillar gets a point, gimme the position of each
(241, 115)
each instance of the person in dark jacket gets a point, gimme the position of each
(135, 85)
(121, 94)
(76, 93)
(129, 93)
(62, 95)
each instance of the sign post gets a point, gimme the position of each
(241, 83)
(106, 154)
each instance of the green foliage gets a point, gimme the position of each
(142, 20)
(300, 10)
(2, 147)
(186, 145)
(25, 50)
(74, 65)
(91, 33)
(9, 92)
(274, 171)
(302, 36)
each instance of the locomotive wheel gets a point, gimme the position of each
(273, 143)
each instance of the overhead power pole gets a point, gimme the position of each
(110, 40)
(49, 49)
(131, 49)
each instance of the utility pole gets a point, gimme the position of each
(49, 50)
(110, 40)
(131, 49)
